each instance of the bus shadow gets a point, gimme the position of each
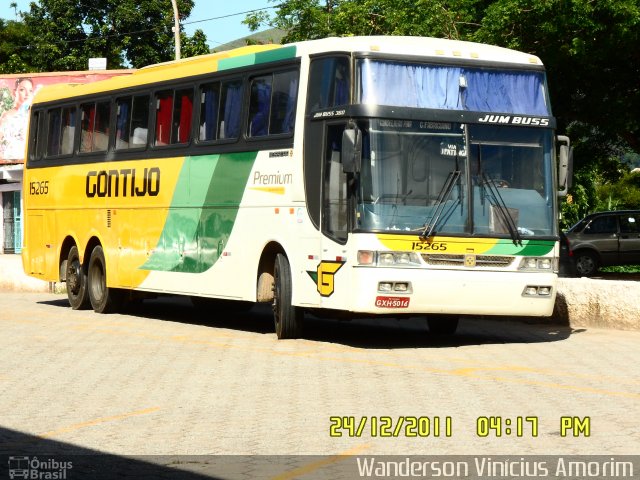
(369, 333)
(29, 456)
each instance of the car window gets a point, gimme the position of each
(630, 223)
(606, 224)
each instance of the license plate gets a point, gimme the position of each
(392, 302)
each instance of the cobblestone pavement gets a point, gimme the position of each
(169, 379)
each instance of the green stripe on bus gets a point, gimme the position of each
(256, 58)
(529, 248)
(202, 213)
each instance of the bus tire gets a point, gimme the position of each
(103, 299)
(443, 324)
(287, 318)
(76, 279)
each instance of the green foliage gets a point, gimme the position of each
(58, 35)
(312, 19)
(13, 36)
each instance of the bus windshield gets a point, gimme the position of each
(452, 178)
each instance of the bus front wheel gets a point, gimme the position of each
(288, 318)
(103, 299)
(76, 279)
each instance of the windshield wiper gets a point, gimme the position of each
(498, 202)
(444, 195)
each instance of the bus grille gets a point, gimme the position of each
(499, 261)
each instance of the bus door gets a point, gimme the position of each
(334, 282)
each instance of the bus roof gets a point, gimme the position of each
(394, 45)
(420, 47)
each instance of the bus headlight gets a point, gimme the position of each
(385, 259)
(388, 259)
(535, 263)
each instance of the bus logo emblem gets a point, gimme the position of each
(470, 261)
(324, 276)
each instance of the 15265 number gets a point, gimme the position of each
(431, 246)
(39, 188)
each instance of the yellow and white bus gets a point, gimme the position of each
(357, 176)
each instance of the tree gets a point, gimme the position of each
(13, 35)
(125, 32)
(311, 19)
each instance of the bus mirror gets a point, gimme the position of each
(351, 150)
(565, 166)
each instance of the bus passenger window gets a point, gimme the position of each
(230, 109)
(94, 127)
(123, 118)
(259, 106)
(164, 107)
(209, 104)
(61, 131)
(140, 121)
(182, 115)
(132, 122)
(35, 151)
(283, 102)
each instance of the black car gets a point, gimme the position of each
(604, 239)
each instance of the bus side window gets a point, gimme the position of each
(328, 83)
(182, 115)
(94, 135)
(140, 121)
(283, 102)
(164, 110)
(335, 199)
(61, 131)
(132, 122)
(123, 122)
(259, 106)
(231, 105)
(37, 136)
(209, 105)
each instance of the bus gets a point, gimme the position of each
(344, 177)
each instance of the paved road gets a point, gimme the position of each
(169, 379)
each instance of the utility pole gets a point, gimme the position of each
(176, 28)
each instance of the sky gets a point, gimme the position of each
(220, 21)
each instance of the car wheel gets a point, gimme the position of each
(586, 264)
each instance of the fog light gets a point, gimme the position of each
(385, 286)
(401, 287)
(544, 291)
(530, 291)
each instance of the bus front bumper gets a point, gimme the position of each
(381, 291)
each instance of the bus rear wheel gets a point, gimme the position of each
(103, 299)
(76, 279)
(287, 318)
(443, 324)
